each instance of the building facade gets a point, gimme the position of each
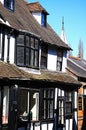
(76, 68)
(35, 91)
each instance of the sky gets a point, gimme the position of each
(74, 15)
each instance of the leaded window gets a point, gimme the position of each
(27, 51)
(47, 109)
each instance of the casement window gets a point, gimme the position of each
(47, 109)
(80, 103)
(59, 60)
(27, 51)
(43, 19)
(28, 105)
(68, 104)
(9, 4)
(44, 56)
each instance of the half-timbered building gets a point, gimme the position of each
(35, 91)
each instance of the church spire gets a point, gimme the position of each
(62, 23)
(63, 35)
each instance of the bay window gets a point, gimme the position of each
(27, 51)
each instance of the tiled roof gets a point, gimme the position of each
(36, 7)
(77, 66)
(22, 19)
(13, 72)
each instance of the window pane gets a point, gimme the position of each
(68, 96)
(59, 66)
(80, 103)
(34, 106)
(61, 111)
(50, 109)
(68, 108)
(59, 60)
(28, 102)
(43, 62)
(48, 104)
(23, 96)
(50, 94)
(68, 103)
(9, 4)
(20, 40)
(45, 107)
(32, 42)
(5, 105)
(44, 93)
(27, 56)
(36, 58)
(27, 41)
(20, 55)
(32, 58)
(36, 44)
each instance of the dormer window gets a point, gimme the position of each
(43, 20)
(9, 4)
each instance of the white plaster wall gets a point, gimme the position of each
(12, 50)
(0, 44)
(44, 126)
(37, 16)
(50, 126)
(5, 48)
(56, 89)
(75, 106)
(2, 1)
(69, 124)
(52, 58)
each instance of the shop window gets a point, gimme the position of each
(27, 51)
(9, 4)
(28, 105)
(5, 105)
(44, 56)
(59, 60)
(80, 102)
(47, 104)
